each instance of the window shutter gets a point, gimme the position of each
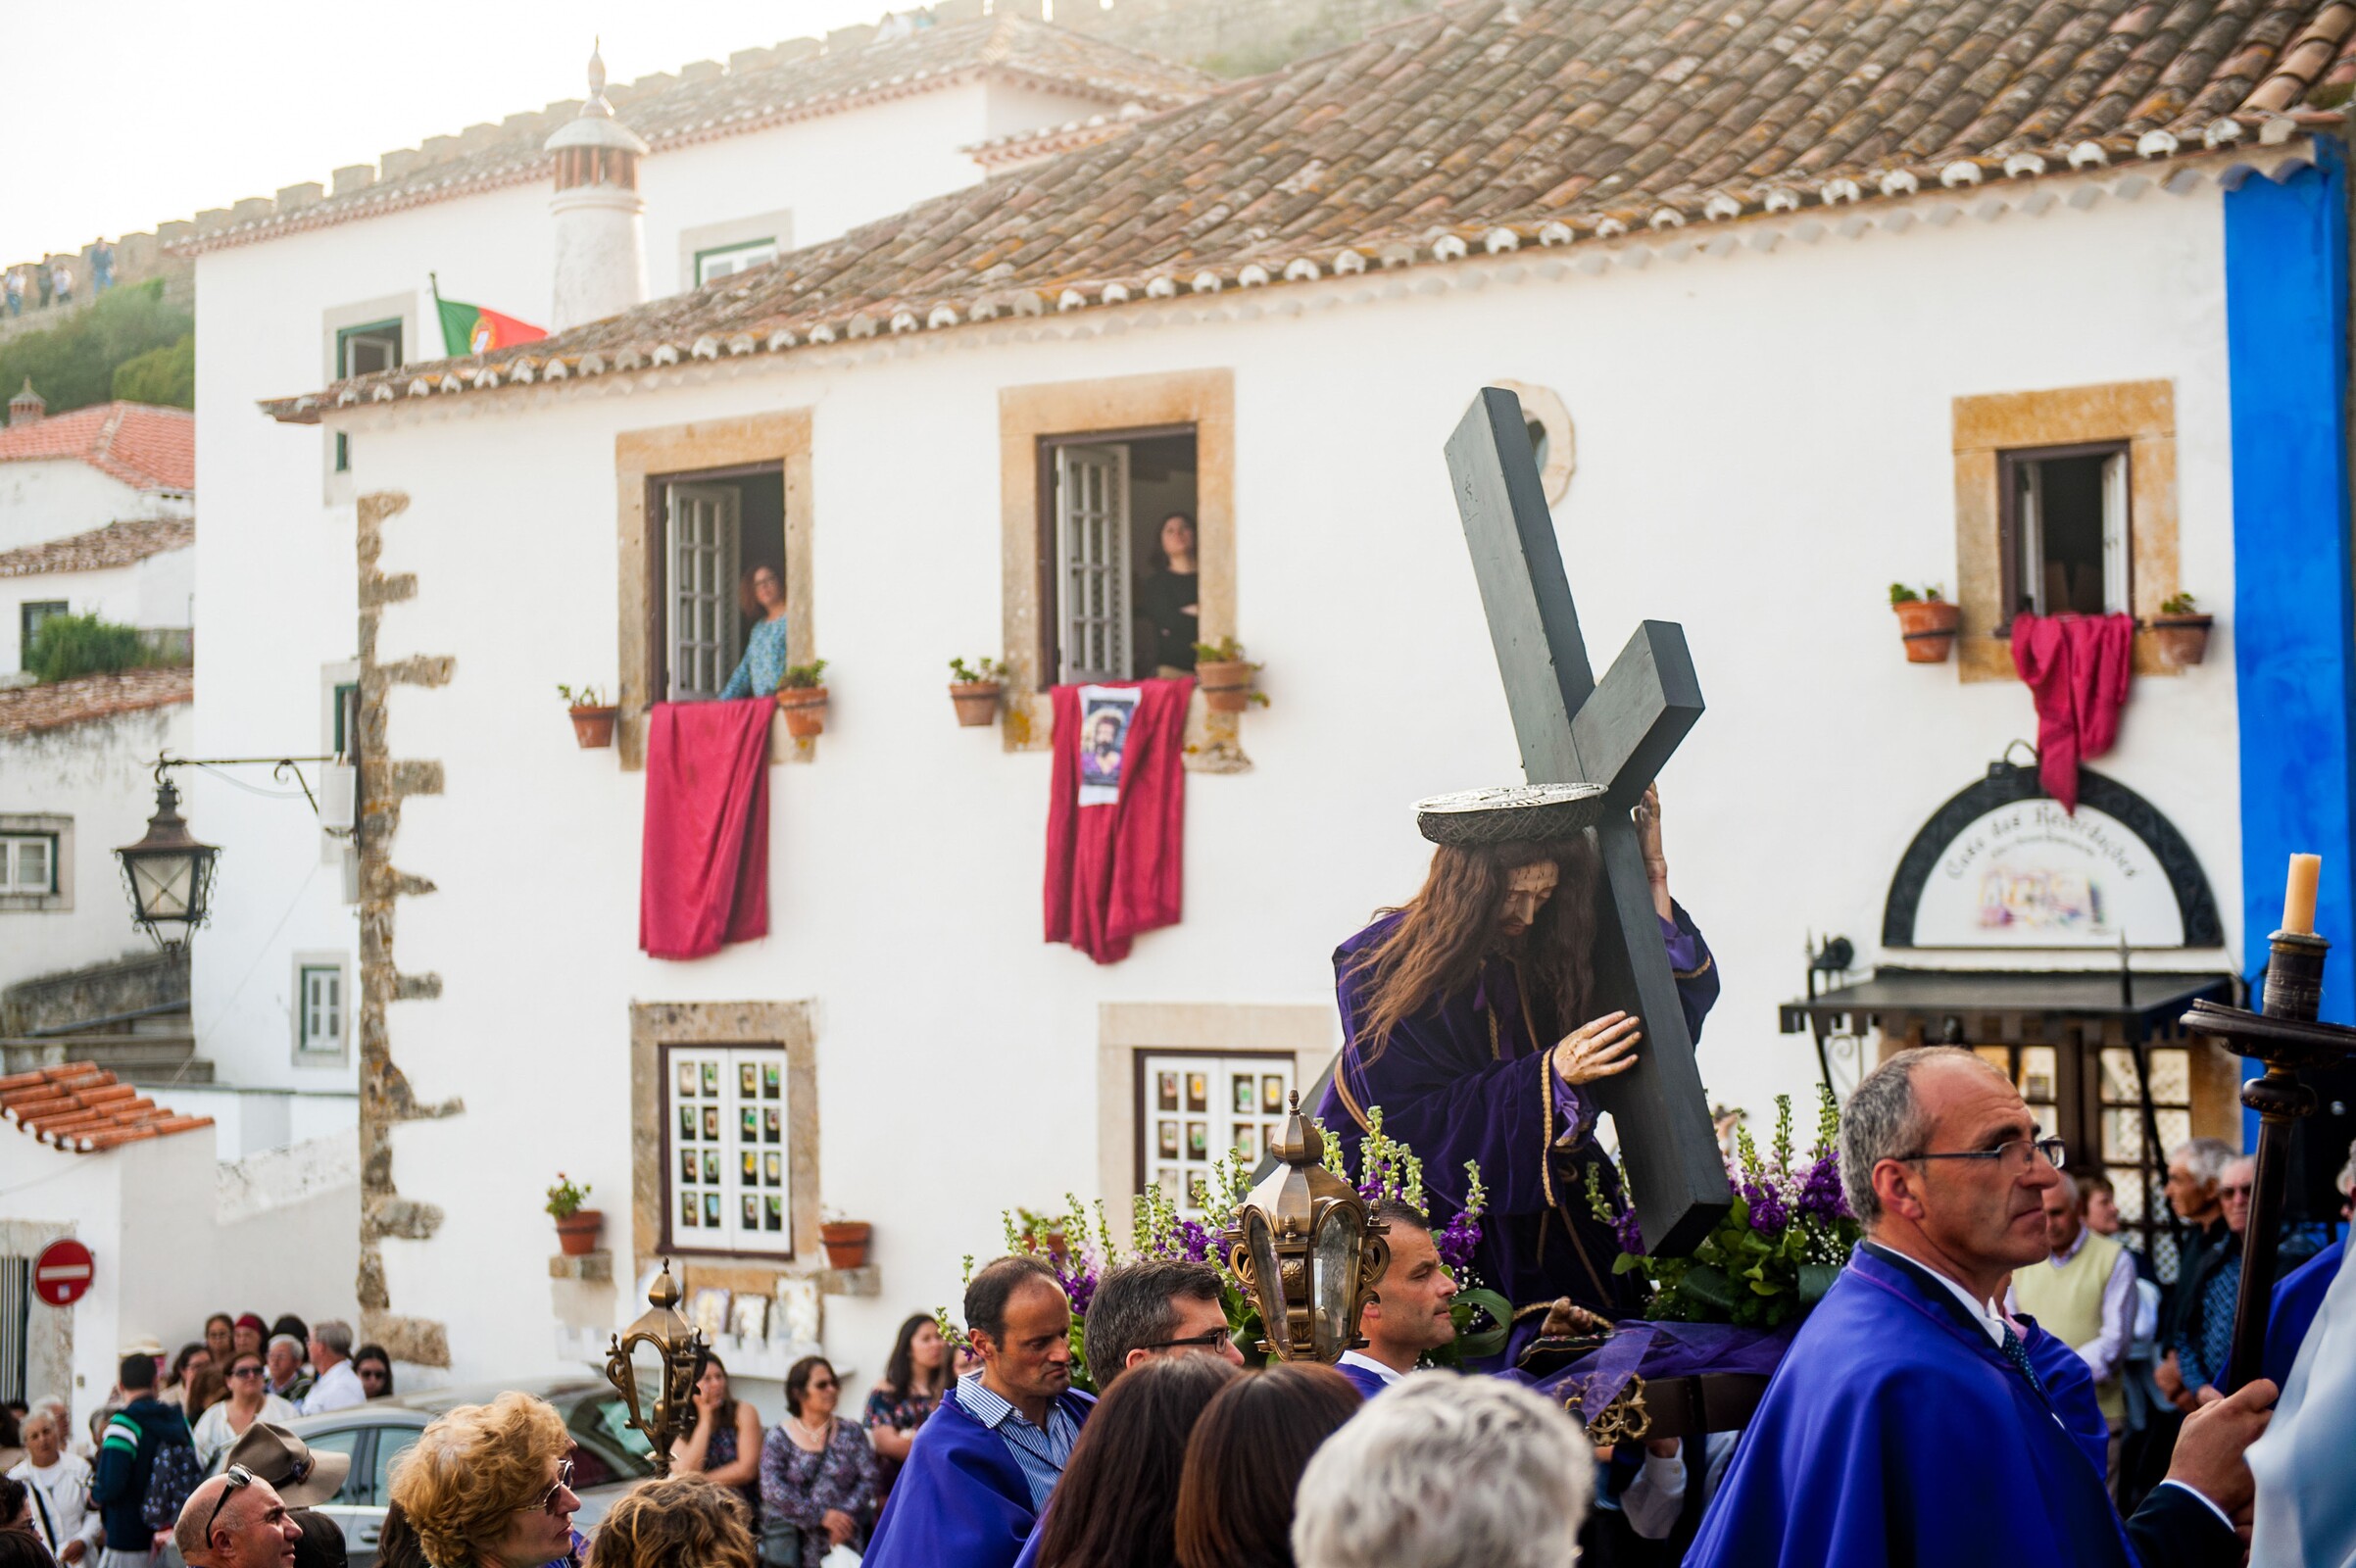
(703, 524)
(2031, 531)
(1091, 550)
(2114, 534)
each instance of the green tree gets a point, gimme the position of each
(68, 646)
(73, 364)
(165, 375)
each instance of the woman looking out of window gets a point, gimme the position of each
(762, 596)
(1167, 599)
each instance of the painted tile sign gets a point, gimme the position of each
(2030, 875)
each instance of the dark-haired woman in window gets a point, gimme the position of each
(1168, 598)
(817, 1470)
(915, 1380)
(725, 1444)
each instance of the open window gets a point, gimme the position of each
(2064, 544)
(717, 528)
(726, 261)
(364, 350)
(1104, 497)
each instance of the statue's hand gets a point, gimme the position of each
(1599, 1050)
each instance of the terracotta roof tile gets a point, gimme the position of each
(80, 1107)
(1545, 120)
(146, 446)
(29, 710)
(118, 544)
(680, 113)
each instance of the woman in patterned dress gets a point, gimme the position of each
(915, 1380)
(817, 1470)
(725, 1444)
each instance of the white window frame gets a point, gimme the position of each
(703, 536)
(1092, 562)
(726, 261)
(2029, 533)
(21, 853)
(54, 834)
(333, 1042)
(1177, 1174)
(706, 1084)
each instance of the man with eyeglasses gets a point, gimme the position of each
(1912, 1421)
(236, 1520)
(1156, 1307)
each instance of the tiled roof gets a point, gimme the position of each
(1490, 124)
(767, 91)
(29, 710)
(118, 544)
(145, 446)
(81, 1108)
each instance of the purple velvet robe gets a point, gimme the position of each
(1466, 1078)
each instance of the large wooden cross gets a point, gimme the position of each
(1617, 735)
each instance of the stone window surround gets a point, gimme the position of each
(322, 958)
(655, 1024)
(1309, 1034)
(338, 488)
(693, 242)
(642, 460)
(1201, 399)
(62, 873)
(2142, 413)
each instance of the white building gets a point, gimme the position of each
(1781, 350)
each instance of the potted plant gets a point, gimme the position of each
(591, 715)
(1926, 621)
(975, 688)
(801, 696)
(576, 1227)
(846, 1241)
(1225, 676)
(2182, 631)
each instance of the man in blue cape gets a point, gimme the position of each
(1466, 1020)
(1912, 1422)
(983, 1465)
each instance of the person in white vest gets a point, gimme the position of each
(2084, 1296)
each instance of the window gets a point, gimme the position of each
(29, 864)
(730, 1159)
(346, 702)
(323, 1000)
(30, 616)
(2065, 530)
(717, 529)
(364, 351)
(725, 261)
(1194, 1109)
(1101, 528)
(2142, 1209)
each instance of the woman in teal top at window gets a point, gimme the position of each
(758, 672)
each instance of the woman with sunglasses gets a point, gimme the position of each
(250, 1401)
(818, 1474)
(489, 1486)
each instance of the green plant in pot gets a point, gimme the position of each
(1927, 622)
(591, 715)
(577, 1227)
(974, 689)
(2180, 632)
(801, 697)
(1225, 676)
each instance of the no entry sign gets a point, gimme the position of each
(62, 1273)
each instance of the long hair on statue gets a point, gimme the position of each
(1452, 924)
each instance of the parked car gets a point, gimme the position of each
(608, 1458)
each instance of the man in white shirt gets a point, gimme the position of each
(2084, 1292)
(1408, 1311)
(334, 1385)
(60, 1484)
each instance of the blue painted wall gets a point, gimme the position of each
(2293, 626)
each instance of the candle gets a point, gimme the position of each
(2298, 898)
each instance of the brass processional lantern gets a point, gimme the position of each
(1307, 1250)
(678, 1347)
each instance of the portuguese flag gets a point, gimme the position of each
(471, 330)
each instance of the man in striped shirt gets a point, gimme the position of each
(136, 1437)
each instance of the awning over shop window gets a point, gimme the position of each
(1986, 1005)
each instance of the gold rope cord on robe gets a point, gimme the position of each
(1546, 1168)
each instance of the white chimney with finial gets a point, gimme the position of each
(601, 234)
(27, 407)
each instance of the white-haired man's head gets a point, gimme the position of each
(1370, 1498)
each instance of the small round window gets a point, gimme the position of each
(1552, 442)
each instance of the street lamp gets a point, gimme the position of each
(1307, 1250)
(169, 872)
(677, 1347)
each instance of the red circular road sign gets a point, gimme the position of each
(62, 1273)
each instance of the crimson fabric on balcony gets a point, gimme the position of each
(1116, 815)
(2077, 668)
(705, 877)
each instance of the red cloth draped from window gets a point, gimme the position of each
(2077, 668)
(704, 879)
(1116, 869)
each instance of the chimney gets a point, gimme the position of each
(27, 407)
(600, 234)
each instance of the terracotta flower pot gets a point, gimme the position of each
(846, 1242)
(1226, 685)
(976, 701)
(576, 1232)
(2182, 640)
(804, 710)
(1929, 628)
(592, 727)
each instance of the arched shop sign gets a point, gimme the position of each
(2003, 866)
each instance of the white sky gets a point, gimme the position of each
(130, 112)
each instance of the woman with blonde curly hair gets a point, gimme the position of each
(689, 1521)
(489, 1486)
